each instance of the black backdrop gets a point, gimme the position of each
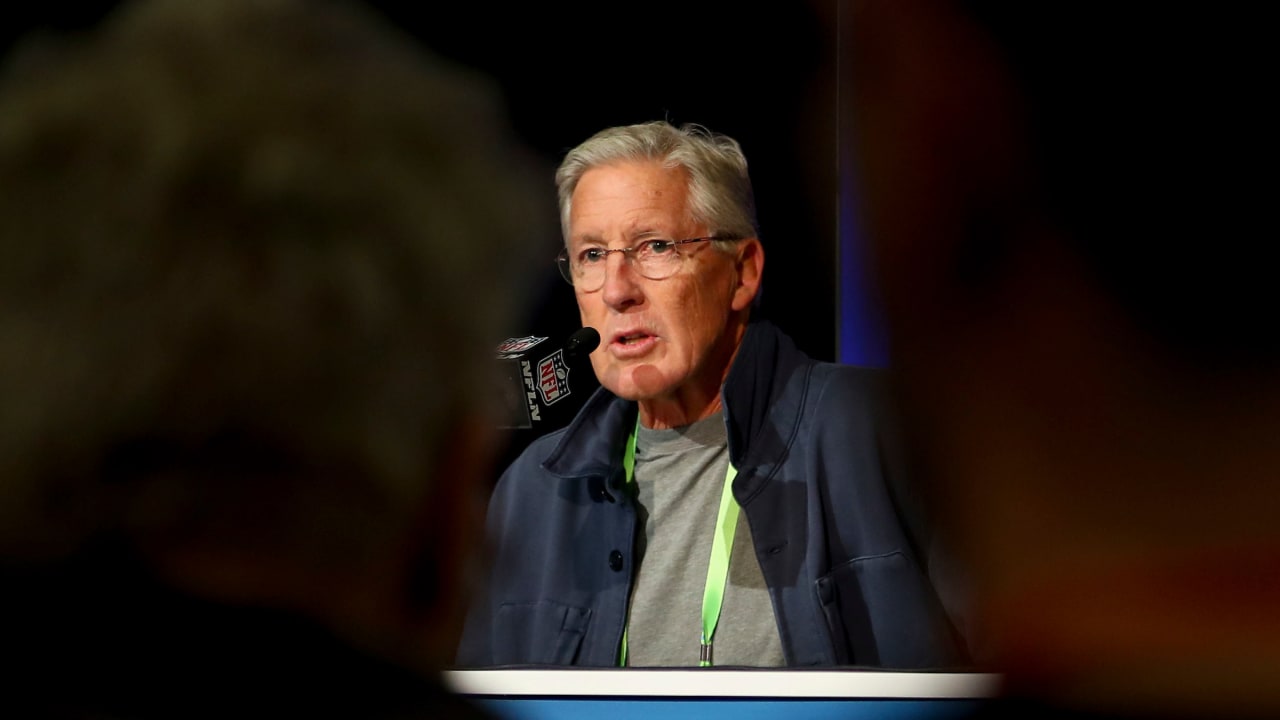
(761, 72)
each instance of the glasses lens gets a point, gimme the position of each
(584, 275)
(566, 270)
(589, 275)
(657, 259)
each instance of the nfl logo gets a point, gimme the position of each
(553, 378)
(512, 346)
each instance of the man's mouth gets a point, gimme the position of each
(632, 344)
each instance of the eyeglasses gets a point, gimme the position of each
(655, 259)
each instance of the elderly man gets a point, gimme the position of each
(723, 498)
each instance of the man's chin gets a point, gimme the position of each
(640, 383)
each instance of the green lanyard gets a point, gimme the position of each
(717, 569)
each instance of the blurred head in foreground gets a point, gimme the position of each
(241, 343)
(1066, 215)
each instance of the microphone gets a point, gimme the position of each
(532, 391)
(582, 342)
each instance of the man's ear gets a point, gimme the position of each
(749, 262)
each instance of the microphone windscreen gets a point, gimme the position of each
(582, 342)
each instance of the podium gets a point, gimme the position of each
(741, 693)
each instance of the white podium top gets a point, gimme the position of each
(723, 683)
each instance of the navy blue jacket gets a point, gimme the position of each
(819, 483)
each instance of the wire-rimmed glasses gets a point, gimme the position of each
(655, 259)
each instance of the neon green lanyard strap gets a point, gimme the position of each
(717, 568)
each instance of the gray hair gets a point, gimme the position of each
(720, 194)
(241, 242)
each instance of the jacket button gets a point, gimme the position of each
(597, 491)
(615, 561)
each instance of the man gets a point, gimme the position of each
(722, 499)
(1068, 206)
(243, 438)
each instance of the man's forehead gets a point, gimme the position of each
(622, 202)
(631, 183)
(629, 233)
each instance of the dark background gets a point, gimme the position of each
(763, 73)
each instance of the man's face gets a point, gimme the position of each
(659, 339)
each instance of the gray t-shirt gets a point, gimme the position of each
(679, 475)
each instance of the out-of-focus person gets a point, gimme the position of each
(244, 368)
(724, 499)
(1067, 206)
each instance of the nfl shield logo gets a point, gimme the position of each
(553, 378)
(513, 346)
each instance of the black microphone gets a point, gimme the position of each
(582, 342)
(534, 385)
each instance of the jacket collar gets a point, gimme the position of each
(760, 415)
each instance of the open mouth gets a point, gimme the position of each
(632, 344)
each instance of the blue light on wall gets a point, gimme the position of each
(862, 339)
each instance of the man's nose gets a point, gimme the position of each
(620, 280)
